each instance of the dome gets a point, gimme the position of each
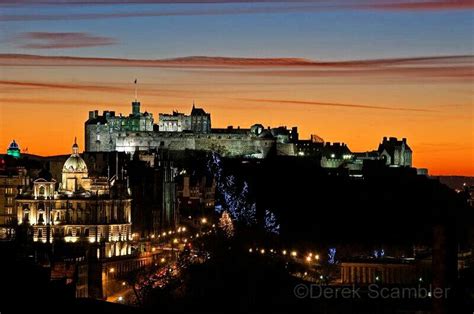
(75, 163)
(14, 145)
(13, 150)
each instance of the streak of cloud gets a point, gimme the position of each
(437, 68)
(215, 7)
(52, 40)
(330, 104)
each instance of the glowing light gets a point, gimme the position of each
(175, 240)
(284, 252)
(112, 270)
(306, 273)
(123, 283)
(91, 239)
(120, 299)
(183, 229)
(250, 250)
(262, 251)
(153, 249)
(162, 260)
(163, 234)
(308, 258)
(316, 257)
(204, 220)
(294, 253)
(152, 236)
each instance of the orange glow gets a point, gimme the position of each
(43, 108)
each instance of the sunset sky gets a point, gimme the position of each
(349, 71)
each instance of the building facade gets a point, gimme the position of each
(11, 183)
(80, 209)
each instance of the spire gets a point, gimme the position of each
(193, 104)
(75, 147)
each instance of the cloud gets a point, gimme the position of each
(455, 68)
(327, 104)
(50, 40)
(215, 7)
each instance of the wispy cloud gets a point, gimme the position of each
(328, 104)
(220, 7)
(51, 40)
(439, 68)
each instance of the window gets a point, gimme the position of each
(40, 233)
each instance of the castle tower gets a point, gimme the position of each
(136, 108)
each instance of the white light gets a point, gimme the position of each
(250, 250)
(120, 299)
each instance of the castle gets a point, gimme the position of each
(180, 132)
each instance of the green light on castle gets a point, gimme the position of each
(13, 150)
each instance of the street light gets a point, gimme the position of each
(204, 220)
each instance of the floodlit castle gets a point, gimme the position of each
(80, 209)
(180, 132)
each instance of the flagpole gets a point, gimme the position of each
(135, 90)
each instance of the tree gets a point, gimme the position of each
(226, 224)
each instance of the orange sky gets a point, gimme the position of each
(428, 101)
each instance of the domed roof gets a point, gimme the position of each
(14, 150)
(14, 146)
(75, 163)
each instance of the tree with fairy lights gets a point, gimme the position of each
(226, 224)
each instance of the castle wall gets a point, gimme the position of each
(227, 144)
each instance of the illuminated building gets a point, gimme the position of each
(11, 182)
(80, 209)
(14, 150)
